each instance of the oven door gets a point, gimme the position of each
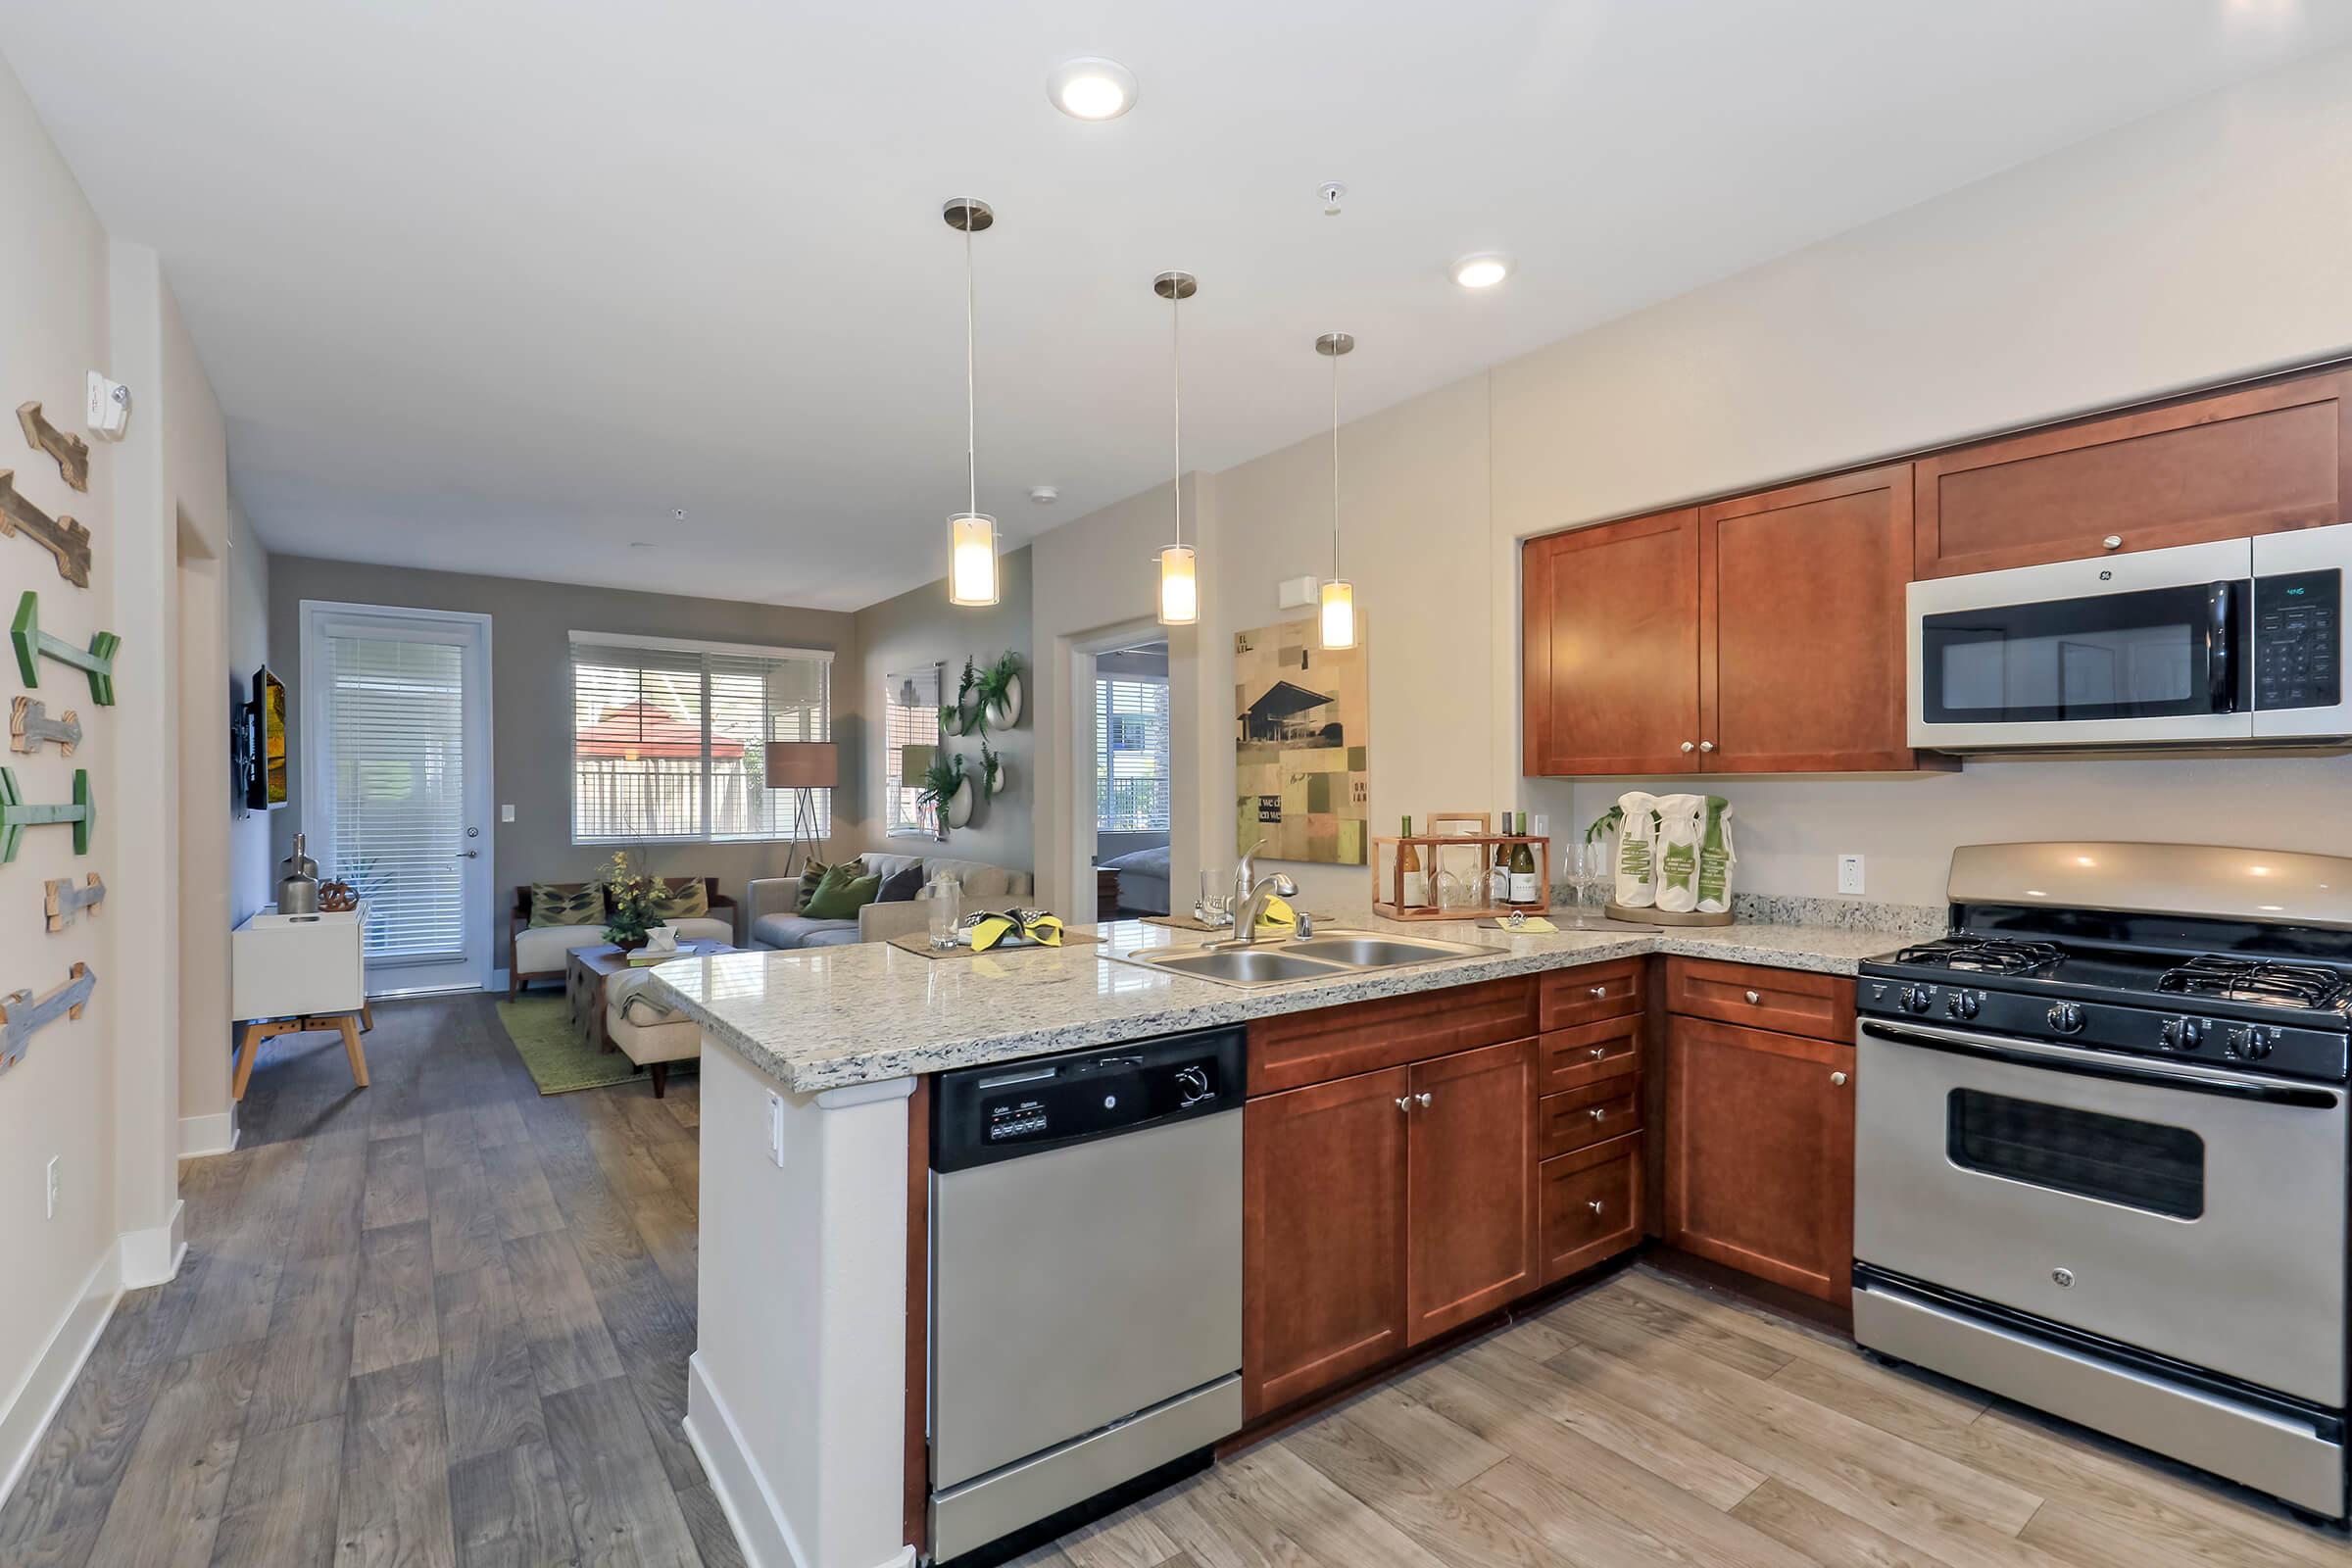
(2191, 1211)
(2125, 649)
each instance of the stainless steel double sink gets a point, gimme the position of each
(1274, 960)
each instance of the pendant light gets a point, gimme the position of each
(1179, 587)
(971, 533)
(1338, 623)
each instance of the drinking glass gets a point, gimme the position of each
(1587, 862)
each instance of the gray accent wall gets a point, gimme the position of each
(921, 627)
(531, 680)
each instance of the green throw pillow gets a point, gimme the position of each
(814, 874)
(687, 900)
(566, 904)
(843, 894)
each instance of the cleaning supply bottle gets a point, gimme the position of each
(1716, 857)
(1637, 850)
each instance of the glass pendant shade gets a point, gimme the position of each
(972, 558)
(1339, 614)
(1179, 591)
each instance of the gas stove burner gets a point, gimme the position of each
(1982, 955)
(2286, 985)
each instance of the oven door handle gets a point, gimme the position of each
(2086, 1064)
(2220, 683)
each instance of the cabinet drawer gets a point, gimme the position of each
(1582, 1118)
(1573, 996)
(1792, 1000)
(1590, 1205)
(1312, 1047)
(1571, 1058)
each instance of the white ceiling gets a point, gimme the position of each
(496, 287)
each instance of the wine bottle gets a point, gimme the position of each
(1408, 860)
(1523, 867)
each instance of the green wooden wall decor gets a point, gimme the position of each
(16, 816)
(71, 452)
(98, 662)
(68, 541)
(21, 1017)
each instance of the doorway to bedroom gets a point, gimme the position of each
(1134, 781)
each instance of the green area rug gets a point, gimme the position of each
(559, 1060)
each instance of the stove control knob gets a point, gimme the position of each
(2256, 1044)
(2066, 1018)
(1961, 1004)
(1919, 999)
(2181, 1034)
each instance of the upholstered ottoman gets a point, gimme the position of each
(648, 1032)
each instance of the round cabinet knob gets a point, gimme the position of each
(1755, 997)
(2114, 541)
(1838, 1080)
(1600, 1052)
(1406, 1104)
(1422, 1100)
(1599, 1113)
(1599, 991)
(1690, 746)
(1706, 746)
(1593, 1204)
(2066, 1018)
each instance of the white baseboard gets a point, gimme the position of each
(25, 1415)
(761, 1532)
(208, 1135)
(152, 1256)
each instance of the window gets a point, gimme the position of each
(1131, 754)
(910, 705)
(397, 763)
(669, 737)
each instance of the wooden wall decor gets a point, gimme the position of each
(71, 452)
(67, 898)
(68, 541)
(16, 816)
(21, 1017)
(97, 662)
(29, 724)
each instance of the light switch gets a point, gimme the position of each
(506, 814)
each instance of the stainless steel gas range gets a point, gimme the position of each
(2102, 1148)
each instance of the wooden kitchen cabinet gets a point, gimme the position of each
(1323, 1235)
(1801, 627)
(1609, 622)
(2223, 466)
(1759, 1166)
(1590, 1206)
(1470, 1211)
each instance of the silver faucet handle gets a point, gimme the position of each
(1305, 928)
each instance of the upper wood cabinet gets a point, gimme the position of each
(1800, 627)
(2220, 466)
(1609, 617)
(1757, 635)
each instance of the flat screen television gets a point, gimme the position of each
(266, 718)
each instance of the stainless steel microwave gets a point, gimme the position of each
(2236, 642)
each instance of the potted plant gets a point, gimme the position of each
(961, 716)
(994, 778)
(629, 903)
(999, 690)
(947, 788)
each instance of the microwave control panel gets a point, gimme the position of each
(2299, 640)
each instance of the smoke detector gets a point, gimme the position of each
(1043, 495)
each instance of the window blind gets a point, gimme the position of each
(669, 740)
(1131, 754)
(398, 732)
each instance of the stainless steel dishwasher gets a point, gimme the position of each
(1086, 1283)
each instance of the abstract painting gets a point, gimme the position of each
(1302, 715)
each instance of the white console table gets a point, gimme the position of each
(294, 973)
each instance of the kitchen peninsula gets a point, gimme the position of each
(812, 1206)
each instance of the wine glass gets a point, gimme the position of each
(1587, 863)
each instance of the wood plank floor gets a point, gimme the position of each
(442, 1322)
(446, 1322)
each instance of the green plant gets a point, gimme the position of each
(629, 898)
(992, 769)
(942, 779)
(962, 715)
(993, 687)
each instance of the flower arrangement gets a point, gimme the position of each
(629, 897)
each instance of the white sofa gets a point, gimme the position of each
(539, 953)
(775, 902)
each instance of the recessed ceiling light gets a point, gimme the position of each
(1092, 88)
(1483, 270)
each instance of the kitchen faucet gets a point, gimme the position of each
(1251, 894)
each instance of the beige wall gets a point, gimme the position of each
(2202, 244)
(531, 685)
(919, 628)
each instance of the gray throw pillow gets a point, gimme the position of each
(810, 875)
(903, 887)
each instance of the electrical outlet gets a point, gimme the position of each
(1850, 873)
(775, 1128)
(54, 1188)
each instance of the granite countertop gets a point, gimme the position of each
(837, 1016)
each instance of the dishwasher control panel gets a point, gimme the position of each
(983, 1114)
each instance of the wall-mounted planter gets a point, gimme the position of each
(960, 805)
(1006, 714)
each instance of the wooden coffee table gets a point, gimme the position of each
(585, 971)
